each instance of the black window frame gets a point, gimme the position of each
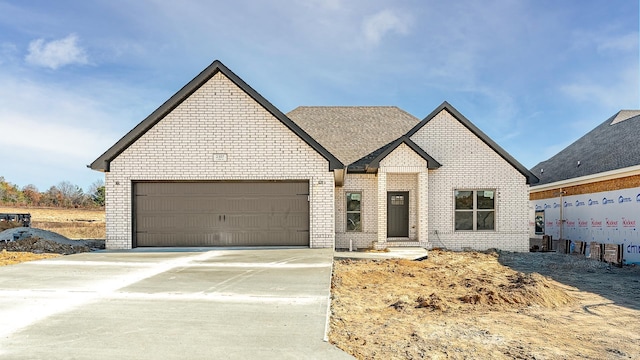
(462, 207)
(348, 219)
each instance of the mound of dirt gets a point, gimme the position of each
(394, 308)
(443, 284)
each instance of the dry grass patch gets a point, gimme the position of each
(10, 257)
(74, 229)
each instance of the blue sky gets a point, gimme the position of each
(534, 75)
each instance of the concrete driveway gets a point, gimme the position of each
(169, 304)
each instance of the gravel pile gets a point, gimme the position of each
(7, 235)
(44, 241)
(39, 246)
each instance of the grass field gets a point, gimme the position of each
(72, 223)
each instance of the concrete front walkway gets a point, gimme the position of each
(409, 253)
(171, 304)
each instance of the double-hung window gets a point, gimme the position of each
(475, 210)
(354, 211)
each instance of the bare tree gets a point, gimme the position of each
(68, 192)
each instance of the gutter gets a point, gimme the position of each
(607, 175)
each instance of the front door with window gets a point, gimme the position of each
(398, 214)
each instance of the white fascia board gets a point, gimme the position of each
(607, 175)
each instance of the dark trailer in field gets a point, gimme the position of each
(25, 219)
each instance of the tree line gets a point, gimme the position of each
(65, 194)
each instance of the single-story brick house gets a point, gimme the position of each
(218, 165)
(590, 191)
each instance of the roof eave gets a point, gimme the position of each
(587, 179)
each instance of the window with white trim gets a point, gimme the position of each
(475, 210)
(354, 211)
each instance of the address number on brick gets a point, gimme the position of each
(219, 157)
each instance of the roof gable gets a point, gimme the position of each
(102, 163)
(371, 162)
(612, 145)
(445, 106)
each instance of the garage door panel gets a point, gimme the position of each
(166, 223)
(225, 239)
(253, 220)
(221, 213)
(273, 222)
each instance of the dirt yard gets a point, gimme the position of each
(469, 305)
(72, 223)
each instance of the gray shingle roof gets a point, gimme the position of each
(352, 132)
(610, 146)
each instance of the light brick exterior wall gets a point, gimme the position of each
(366, 184)
(219, 118)
(468, 163)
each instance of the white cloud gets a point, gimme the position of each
(620, 91)
(56, 141)
(56, 53)
(378, 25)
(605, 39)
(49, 152)
(57, 130)
(624, 43)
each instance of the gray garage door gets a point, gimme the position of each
(221, 213)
